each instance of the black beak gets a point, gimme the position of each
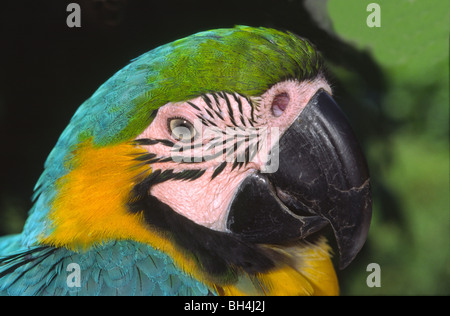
(322, 179)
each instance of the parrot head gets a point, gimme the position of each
(223, 149)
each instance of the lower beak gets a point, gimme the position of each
(322, 179)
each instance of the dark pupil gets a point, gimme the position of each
(184, 125)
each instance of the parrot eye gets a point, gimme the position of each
(280, 103)
(181, 129)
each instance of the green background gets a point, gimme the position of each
(411, 47)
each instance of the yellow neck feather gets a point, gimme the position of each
(90, 206)
(310, 272)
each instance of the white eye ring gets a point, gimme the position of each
(181, 129)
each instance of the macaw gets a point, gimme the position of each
(210, 165)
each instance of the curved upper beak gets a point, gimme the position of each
(322, 178)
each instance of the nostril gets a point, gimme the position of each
(280, 103)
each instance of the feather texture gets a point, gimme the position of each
(116, 268)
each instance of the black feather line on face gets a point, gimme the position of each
(252, 111)
(169, 174)
(242, 120)
(230, 109)
(211, 123)
(219, 115)
(209, 113)
(166, 142)
(240, 105)
(216, 100)
(237, 99)
(235, 164)
(149, 142)
(204, 121)
(141, 189)
(145, 157)
(207, 101)
(145, 142)
(218, 170)
(194, 106)
(221, 255)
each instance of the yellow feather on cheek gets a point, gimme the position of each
(90, 206)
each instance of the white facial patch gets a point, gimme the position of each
(232, 136)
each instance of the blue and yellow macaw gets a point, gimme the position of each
(209, 165)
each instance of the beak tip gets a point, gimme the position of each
(350, 242)
(348, 253)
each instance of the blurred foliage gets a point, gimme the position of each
(391, 81)
(409, 240)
